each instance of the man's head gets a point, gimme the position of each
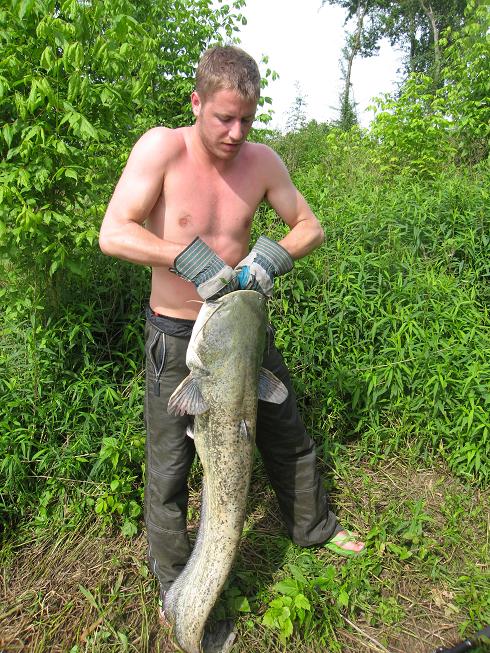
(225, 100)
(230, 68)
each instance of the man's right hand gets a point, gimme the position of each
(207, 271)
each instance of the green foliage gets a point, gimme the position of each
(424, 131)
(312, 598)
(79, 81)
(386, 327)
(392, 315)
(467, 90)
(413, 26)
(302, 148)
(412, 131)
(295, 599)
(233, 601)
(66, 381)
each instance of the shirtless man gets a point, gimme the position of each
(197, 188)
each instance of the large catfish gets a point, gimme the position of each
(224, 358)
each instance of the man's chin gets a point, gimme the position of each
(229, 150)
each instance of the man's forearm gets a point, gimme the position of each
(132, 242)
(303, 238)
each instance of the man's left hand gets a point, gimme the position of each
(266, 261)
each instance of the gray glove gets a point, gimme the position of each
(207, 271)
(266, 261)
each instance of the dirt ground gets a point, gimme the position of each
(87, 591)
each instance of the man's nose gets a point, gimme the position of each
(236, 131)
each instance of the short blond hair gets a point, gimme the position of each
(228, 67)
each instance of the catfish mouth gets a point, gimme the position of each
(229, 296)
(216, 304)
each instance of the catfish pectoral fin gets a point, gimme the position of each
(270, 388)
(187, 399)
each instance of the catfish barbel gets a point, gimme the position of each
(224, 357)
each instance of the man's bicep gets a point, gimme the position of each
(134, 196)
(139, 186)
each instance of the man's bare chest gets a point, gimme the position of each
(194, 202)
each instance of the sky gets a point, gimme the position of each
(304, 42)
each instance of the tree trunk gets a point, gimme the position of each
(429, 12)
(413, 45)
(356, 46)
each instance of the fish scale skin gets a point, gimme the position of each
(225, 354)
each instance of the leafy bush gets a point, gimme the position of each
(301, 149)
(78, 82)
(467, 90)
(66, 382)
(422, 130)
(412, 131)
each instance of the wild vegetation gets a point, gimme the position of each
(385, 329)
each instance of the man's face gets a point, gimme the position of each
(223, 121)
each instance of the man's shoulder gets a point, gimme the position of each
(262, 154)
(161, 142)
(259, 149)
(264, 158)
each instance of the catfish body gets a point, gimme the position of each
(224, 357)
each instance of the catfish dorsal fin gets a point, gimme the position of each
(187, 399)
(271, 389)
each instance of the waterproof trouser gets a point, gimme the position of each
(287, 450)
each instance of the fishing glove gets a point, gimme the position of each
(266, 261)
(207, 271)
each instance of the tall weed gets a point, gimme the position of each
(70, 381)
(386, 326)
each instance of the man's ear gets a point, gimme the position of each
(196, 103)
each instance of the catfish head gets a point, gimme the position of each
(224, 357)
